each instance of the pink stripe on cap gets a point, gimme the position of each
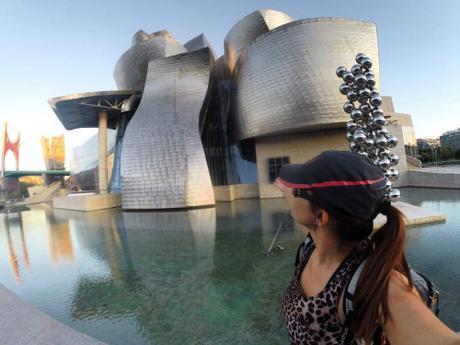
(326, 184)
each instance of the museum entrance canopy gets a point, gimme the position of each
(82, 110)
(100, 110)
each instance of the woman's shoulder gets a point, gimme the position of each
(399, 288)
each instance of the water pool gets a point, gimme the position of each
(189, 277)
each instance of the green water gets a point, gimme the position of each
(189, 277)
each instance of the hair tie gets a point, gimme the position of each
(385, 207)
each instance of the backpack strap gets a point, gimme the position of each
(303, 247)
(350, 288)
(427, 290)
(346, 335)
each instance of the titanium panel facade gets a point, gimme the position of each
(163, 162)
(199, 42)
(248, 29)
(287, 81)
(131, 69)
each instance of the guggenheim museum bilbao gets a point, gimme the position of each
(187, 128)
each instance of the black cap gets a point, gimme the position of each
(345, 180)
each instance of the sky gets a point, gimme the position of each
(55, 48)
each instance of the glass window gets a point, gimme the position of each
(274, 166)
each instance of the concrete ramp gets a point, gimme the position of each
(23, 324)
(45, 195)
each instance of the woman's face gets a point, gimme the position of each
(301, 209)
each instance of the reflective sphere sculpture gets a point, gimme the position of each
(394, 174)
(377, 112)
(348, 107)
(384, 153)
(384, 163)
(365, 108)
(394, 195)
(359, 137)
(351, 126)
(376, 101)
(369, 74)
(352, 96)
(361, 80)
(360, 57)
(356, 69)
(341, 70)
(364, 93)
(382, 131)
(366, 132)
(348, 77)
(366, 63)
(363, 153)
(388, 185)
(371, 81)
(353, 146)
(392, 141)
(379, 120)
(381, 142)
(350, 137)
(369, 142)
(356, 114)
(394, 159)
(344, 89)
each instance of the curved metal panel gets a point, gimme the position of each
(254, 25)
(248, 29)
(287, 80)
(163, 163)
(131, 69)
(199, 42)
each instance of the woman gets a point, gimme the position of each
(335, 198)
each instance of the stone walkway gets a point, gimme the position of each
(448, 169)
(23, 324)
(414, 215)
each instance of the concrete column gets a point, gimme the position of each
(103, 152)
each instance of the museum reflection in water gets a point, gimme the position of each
(60, 247)
(165, 269)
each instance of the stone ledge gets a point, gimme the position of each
(23, 324)
(87, 202)
(236, 191)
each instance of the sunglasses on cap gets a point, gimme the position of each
(303, 193)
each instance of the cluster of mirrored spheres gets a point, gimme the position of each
(366, 131)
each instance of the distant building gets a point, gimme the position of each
(451, 139)
(53, 150)
(84, 161)
(405, 121)
(423, 144)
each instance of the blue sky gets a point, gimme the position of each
(54, 48)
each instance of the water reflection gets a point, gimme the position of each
(10, 224)
(60, 240)
(18, 226)
(198, 276)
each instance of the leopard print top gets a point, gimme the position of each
(314, 320)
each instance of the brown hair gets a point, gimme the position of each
(385, 254)
(370, 303)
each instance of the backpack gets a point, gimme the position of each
(424, 286)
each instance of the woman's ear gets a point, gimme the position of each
(323, 218)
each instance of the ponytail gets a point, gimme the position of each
(386, 253)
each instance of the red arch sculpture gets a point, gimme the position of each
(9, 145)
